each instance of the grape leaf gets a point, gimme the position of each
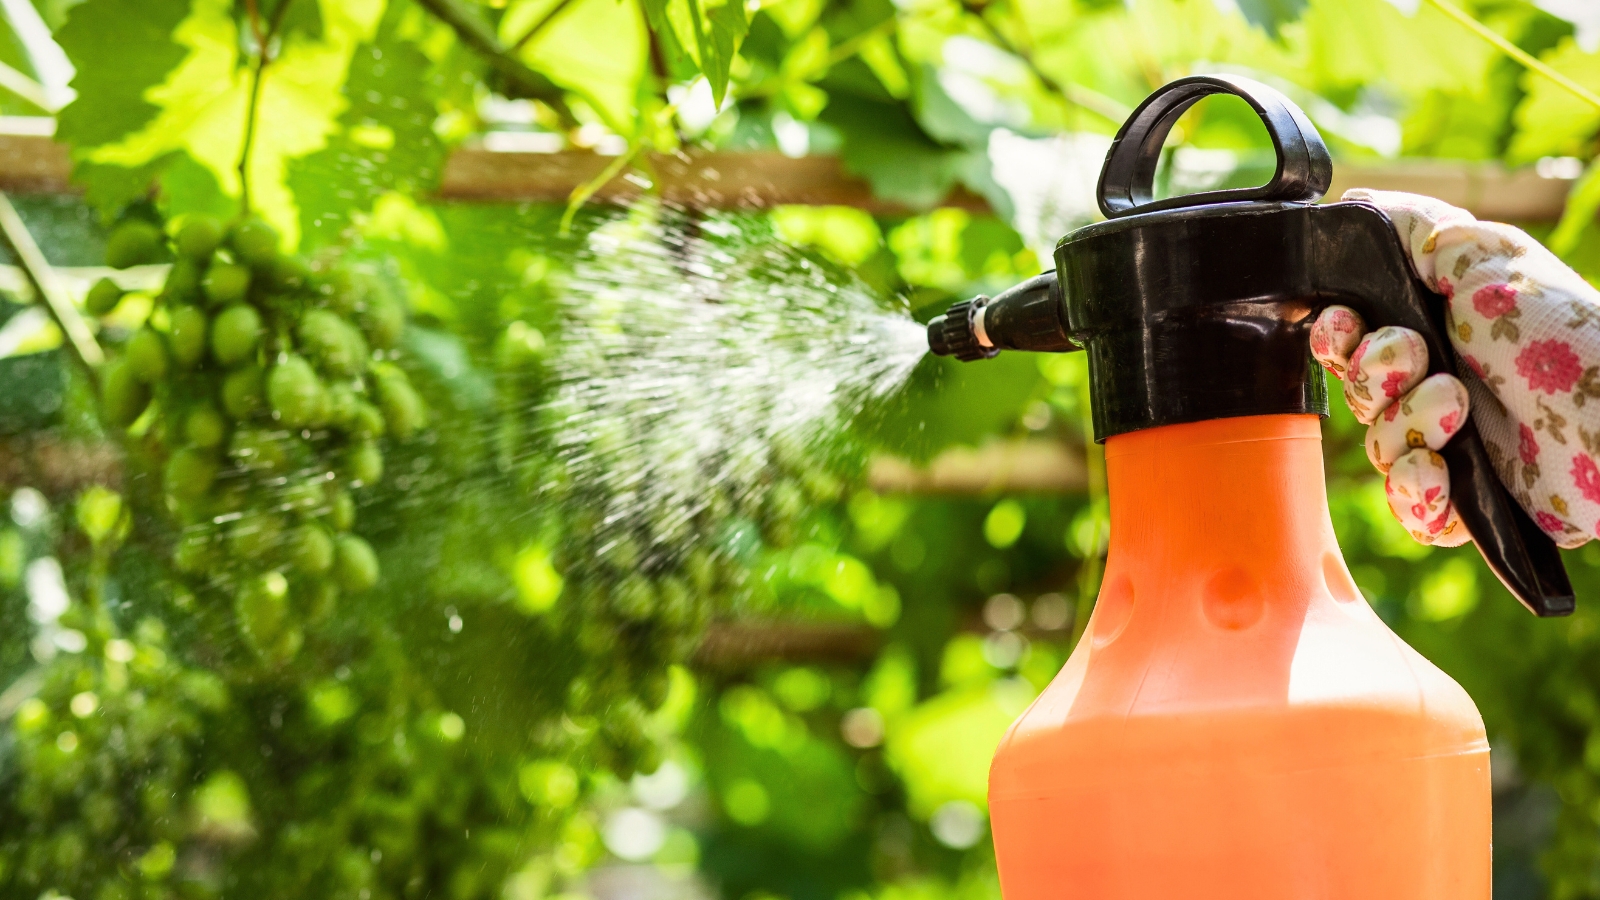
(384, 140)
(884, 145)
(301, 16)
(1362, 41)
(202, 103)
(942, 117)
(728, 28)
(121, 49)
(1582, 204)
(596, 49)
(680, 63)
(1272, 15)
(186, 186)
(1551, 120)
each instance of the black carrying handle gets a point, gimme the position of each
(1358, 261)
(1127, 180)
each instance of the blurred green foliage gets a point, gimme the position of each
(455, 733)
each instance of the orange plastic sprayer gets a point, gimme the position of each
(1237, 722)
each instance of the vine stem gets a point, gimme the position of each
(581, 194)
(1510, 49)
(264, 37)
(47, 285)
(477, 34)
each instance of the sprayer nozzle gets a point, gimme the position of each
(954, 334)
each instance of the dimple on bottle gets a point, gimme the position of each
(1236, 721)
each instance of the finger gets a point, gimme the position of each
(1418, 490)
(1428, 416)
(1386, 364)
(1334, 336)
(1453, 533)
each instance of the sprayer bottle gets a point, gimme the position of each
(1237, 722)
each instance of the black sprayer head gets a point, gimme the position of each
(1025, 317)
(956, 333)
(1200, 307)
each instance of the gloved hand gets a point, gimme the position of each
(1528, 329)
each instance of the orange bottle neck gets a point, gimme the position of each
(1246, 492)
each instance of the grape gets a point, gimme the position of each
(322, 595)
(519, 346)
(226, 283)
(367, 422)
(337, 346)
(255, 242)
(343, 405)
(364, 463)
(256, 449)
(133, 243)
(342, 510)
(634, 598)
(355, 565)
(187, 340)
(383, 318)
(146, 356)
(342, 291)
(205, 427)
(403, 411)
(196, 553)
(103, 297)
(256, 537)
(244, 392)
(311, 550)
(183, 281)
(199, 237)
(296, 394)
(190, 473)
(123, 395)
(235, 333)
(677, 601)
(263, 609)
(288, 273)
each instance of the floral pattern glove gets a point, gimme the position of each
(1528, 329)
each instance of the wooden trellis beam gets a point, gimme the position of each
(32, 162)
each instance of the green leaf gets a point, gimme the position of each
(1551, 120)
(121, 49)
(202, 103)
(943, 118)
(109, 188)
(384, 140)
(1356, 42)
(1272, 15)
(884, 145)
(597, 49)
(728, 28)
(1582, 203)
(681, 64)
(303, 16)
(189, 187)
(942, 748)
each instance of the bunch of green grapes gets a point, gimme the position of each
(640, 589)
(102, 756)
(261, 385)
